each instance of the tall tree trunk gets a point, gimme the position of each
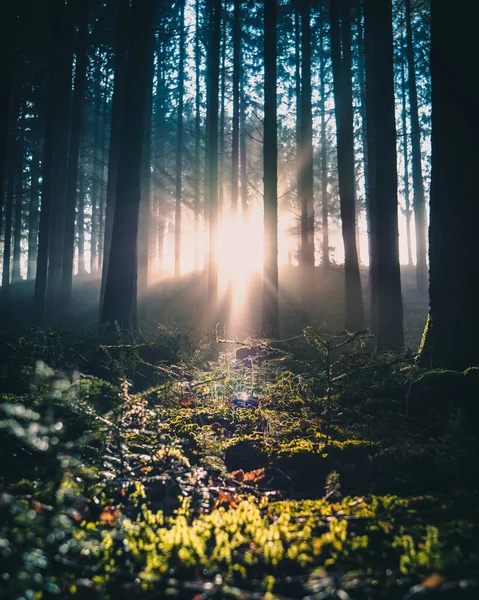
(407, 210)
(7, 243)
(305, 181)
(384, 219)
(96, 169)
(222, 137)
(120, 302)
(81, 221)
(451, 337)
(235, 149)
(343, 100)
(33, 211)
(121, 54)
(211, 188)
(270, 321)
(417, 179)
(8, 28)
(197, 191)
(324, 149)
(364, 123)
(179, 142)
(48, 162)
(145, 205)
(74, 154)
(62, 124)
(17, 237)
(160, 118)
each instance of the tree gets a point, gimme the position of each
(120, 302)
(235, 148)
(179, 140)
(418, 183)
(74, 153)
(387, 310)
(270, 321)
(450, 339)
(305, 163)
(343, 100)
(211, 186)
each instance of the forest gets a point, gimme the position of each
(239, 319)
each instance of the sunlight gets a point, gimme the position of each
(240, 255)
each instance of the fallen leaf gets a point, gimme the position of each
(225, 498)
(238, 475)
(254, 476)
(39, 508)
(110, 515)
(433, 581)
(186, 403)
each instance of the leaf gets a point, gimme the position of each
(225, 498)
(186, 403)
(110, 515)
(433, 581)
(238, 475)
(39, 508)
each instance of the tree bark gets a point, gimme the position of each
(74, 154)
(451, 339)
(235, 149)
(211, 187)
(270, 321)
(179, 142)
(343, 100)
(120, 302)
(386, 276)
(417, 178)
(324, 150)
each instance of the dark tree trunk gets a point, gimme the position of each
(48, 162)
(81, 222)
(343, 100)
(451, 339)
(121, 54)
(222, 137)
(324, 150)
(197, 191)
(8, 27)
(33, 211)
(7, 244)
(146, 188)
(120, 303)
(62, 124)
(305, 178)
(17, 237)
(235, 149)
(211, 188)
(407, 210)
(74, 154)
(96, 169)
(417, 179)
(386, 277)
(179, 143)
(160, 156)
(270, 322)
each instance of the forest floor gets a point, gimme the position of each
(173, 466)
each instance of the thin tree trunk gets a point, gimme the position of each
(324, 149)
(179, 142)
(7, 243)
(17, 238)
(343, 100)
(74, 154)
(81, 222)
(197, 192)
(33, 212)
(95, 172)
(305, 182)
(270, 321)
(211, 188)
(160, 156)
(121, 54)
(120, 302)
(417, 178)
(236, 107)
(222, 137)
(406, 164)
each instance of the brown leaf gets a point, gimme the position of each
(433, 581)
(186, 403)
(39, 508)
(110, 515)
(225, 498)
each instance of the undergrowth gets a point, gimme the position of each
(149, 468)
